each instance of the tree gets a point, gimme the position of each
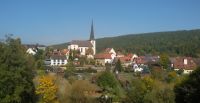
(16, 73)
(107, 80)
(39, 55)
(118, 66)
(162, 93)
(39, 58)
(71, 58)
(164, 61)
(148, 90)
(47, 89)
(70, 69)
(136, 92)
(110, 85)
(188, 91)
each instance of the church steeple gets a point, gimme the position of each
(92, 32)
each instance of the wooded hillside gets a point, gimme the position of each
(184, 43)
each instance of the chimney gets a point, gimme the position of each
(185, 61)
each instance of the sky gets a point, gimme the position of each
(57, 21)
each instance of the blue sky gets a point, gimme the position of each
(57, 21)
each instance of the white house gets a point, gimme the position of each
(134, 56)
(58, 60)
(31, 51)
(84, 45)
(137, 68)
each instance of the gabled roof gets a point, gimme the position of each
(58, 57)
(64, 51)
(81, 43)
(103, 56)
(123, 59)
(178, 63)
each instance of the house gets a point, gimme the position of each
(57, 60)
(41, 47)
(32, 49)
(137, 68)
(132, 56)
(110, 50)
(65, 52)
(84, 45)
(140, 60)
(145, 60)
(104, 58)
(186, 64)
(125, 61)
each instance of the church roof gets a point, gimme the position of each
(82, 43)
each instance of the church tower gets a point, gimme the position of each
(92, 39)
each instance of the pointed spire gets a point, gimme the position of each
(92, 32)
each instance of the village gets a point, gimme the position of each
(99, 51)
(99, 73)
(83, 54)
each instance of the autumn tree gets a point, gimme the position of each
(47, 89)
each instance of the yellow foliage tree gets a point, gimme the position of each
(47, 89)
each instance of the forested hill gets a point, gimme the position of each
(186, 43)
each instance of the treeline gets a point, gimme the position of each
(183, 43)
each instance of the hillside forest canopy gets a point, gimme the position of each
(173, 43)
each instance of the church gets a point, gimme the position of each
(86, 47)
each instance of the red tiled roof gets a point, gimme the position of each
(140, 60)
(130, 55)
(123, 59)
(56, 53)
(103, 56)
(178, 63)
(64, 51)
